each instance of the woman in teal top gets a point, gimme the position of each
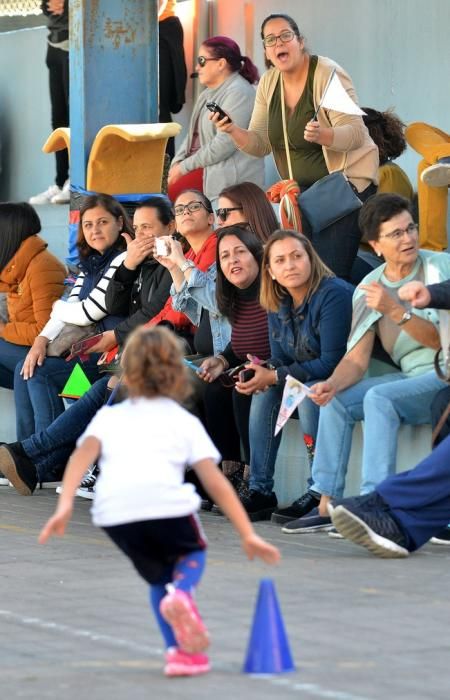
(410, 336)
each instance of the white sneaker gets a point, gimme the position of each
(63, 196)
(45, 197)
(437, 175)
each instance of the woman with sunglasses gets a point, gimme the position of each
(207, 160)
(309, 322)
(247, 203)
(321, 141)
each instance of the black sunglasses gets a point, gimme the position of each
(223, 212)
(202, 60)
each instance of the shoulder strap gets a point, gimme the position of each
(283, 118)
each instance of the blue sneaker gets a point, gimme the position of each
(367, 521)
(308, 524)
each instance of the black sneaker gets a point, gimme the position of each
(301, 507)
(87, 487)
(442, 537)
(367, 521)
(18, 468)
(259, 506)
(308, 524)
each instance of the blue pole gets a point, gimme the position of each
(113, 71)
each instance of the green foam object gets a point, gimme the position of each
(77, 384)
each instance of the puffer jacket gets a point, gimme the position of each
(33, 279)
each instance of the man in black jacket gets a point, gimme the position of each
(140, 286)
(408, 509)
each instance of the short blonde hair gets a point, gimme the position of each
(152, 364)
(272, 292)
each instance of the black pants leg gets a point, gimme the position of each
(338, 244)
(58, 67)
(220, 421)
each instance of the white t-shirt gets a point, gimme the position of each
(146, 446)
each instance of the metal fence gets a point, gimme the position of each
(19, 8)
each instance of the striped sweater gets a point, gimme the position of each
(81, 312)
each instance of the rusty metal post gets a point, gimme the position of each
(113, 71)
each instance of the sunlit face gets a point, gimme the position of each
(211, 74)
(233, 212)
(288, 55)
(237, 263)
(401, 250)
(191, 222)
(289, 265)
(100, 228)
(146, 224)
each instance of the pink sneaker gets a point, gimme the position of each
(180, 663)
(180, 611)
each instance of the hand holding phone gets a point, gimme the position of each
(161, 247)
(80, 348)
(245, 375)
(216, 109)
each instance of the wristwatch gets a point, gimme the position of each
(186, 265)
(407, 316)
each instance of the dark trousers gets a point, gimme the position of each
(227, 419)
(419, 499)
(338, 244)
(58, 69)
(439, 405)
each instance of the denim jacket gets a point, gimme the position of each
(308, 342)
(200, 293)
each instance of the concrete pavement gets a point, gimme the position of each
(74, 617)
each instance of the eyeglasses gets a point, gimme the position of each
(411, 230)
(285, 37)
(192, 207)
(223, 212)
(202, 60)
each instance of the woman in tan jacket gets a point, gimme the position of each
(331, 142)
(32, 279)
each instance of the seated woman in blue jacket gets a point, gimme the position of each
(309, 323)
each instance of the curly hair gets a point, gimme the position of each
(152, 363)
(388, 132)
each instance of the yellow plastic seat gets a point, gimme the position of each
(124, 158)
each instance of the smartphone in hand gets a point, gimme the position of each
(214, 107)
(246, 374)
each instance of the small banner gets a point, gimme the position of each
(293, 394)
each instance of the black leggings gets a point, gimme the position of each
(58, 70)
(227, 417)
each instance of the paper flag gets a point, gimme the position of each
(77, 384)
(293, 394)
(337, 98)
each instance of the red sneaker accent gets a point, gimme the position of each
(180, 611)
(180, 663)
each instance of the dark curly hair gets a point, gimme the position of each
(387, 131)
(152, 363)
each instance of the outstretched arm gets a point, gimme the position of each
(78, 463)
(223, 494)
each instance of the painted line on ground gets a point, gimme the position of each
(291, 684)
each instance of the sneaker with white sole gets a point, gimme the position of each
(3, 480)
(308, 524)
(366, 520)
(87, 487)
(334, 534)
(180, 611)
(442, 537)
(437, 175)
(181, 663)
(47, 196)
(63, 196)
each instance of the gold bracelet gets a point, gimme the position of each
(224, 361)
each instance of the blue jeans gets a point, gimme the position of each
(384, 403)
(51, 448)
(10, 355)
(37, 399)
(263, 444)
